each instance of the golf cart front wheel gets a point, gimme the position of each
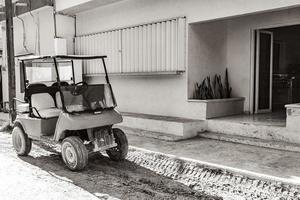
(21, 142)
(119, 152)
(74, 153)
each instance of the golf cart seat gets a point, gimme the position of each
(42, 102)
(44, 106)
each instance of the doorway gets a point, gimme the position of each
(277, 68)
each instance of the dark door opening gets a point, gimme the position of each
(277, 68)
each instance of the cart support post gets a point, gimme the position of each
(10, 58)
(105, 70)
(59, 85)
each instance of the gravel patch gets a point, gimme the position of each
(211, 180)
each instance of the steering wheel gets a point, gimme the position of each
(79, 88)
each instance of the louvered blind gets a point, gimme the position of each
(153, 47)
(106, 43)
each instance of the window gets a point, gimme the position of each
(154, 47)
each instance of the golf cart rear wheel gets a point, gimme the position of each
(74, 153)
(119, 152)
(21, 142)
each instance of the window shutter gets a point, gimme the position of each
(153, 47)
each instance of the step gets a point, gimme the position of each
(280, 145)
(162, 126)
(149, 134)
(251, 130)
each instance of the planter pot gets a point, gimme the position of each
(220, 107)
(293, 117)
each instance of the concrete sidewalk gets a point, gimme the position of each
(251, 161)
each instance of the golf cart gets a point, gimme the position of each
(60, 107)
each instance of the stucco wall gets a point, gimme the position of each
(207, 52)
(44, 18)
(240, 47)
(44, 21)
(234, 37)
(65, 26)
(212, 45)
(63, 4)
(159, 95)
(129, 12)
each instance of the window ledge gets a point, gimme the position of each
(217, 100)
(137, 74)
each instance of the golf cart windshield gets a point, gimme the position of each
(58, 77)
(87, 97)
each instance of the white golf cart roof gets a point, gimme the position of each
(71, 57)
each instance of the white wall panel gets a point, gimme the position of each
(106, 43)
(154, 47)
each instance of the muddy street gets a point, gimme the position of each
(48, 178)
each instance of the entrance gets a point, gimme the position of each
(277, 68)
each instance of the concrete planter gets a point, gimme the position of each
(220, 107)
(293, 117)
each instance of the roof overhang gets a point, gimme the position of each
(65, 7)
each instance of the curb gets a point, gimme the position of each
(150, 134)
(212, 179)
(271, 144)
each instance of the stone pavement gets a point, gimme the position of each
(211, 180)
(253, 161)
(232, 171)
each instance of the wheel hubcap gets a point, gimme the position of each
(70, 154)
(17, 140)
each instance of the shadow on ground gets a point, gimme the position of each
(123, 180)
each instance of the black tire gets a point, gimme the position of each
(22, 144)
(119, 152)
(74, 153)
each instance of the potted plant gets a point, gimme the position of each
(216, 97)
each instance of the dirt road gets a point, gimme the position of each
(43, 175)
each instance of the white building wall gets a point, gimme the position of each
(240, 49)
(63, 4)
(159, 95)
(167, 95)
(207, 52)
(39, 42)
(65, 26)
(30, 32)
(75, 6)
(36, 43)
(230, 43)
(130, 12)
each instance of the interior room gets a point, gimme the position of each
(277, 68)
